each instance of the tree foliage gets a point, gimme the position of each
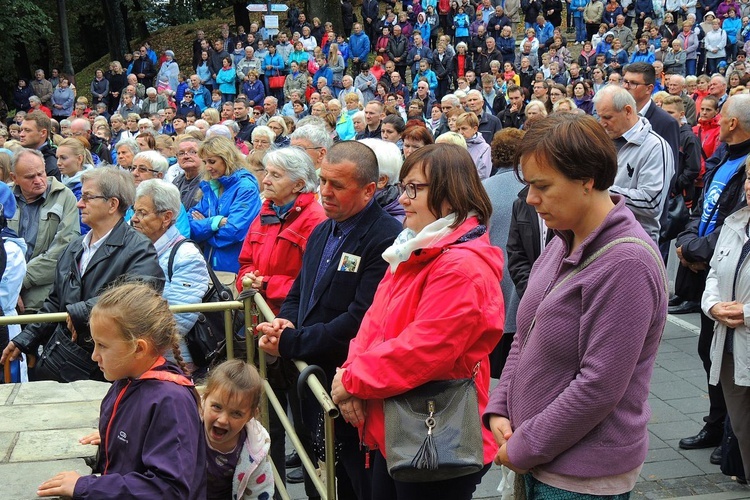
(24, 25)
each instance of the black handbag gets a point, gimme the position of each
(206, 341)
(678, 216)
(63, 360)
(433, 432)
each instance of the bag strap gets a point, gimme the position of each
(211, 274)
(591, 258)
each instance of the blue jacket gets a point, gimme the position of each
(359, 45)
(425, 30)
(461, 23)
(732, 26)
(255, 92)
(323, 71)
(638, 56)
(431, 80)
(276, 62)
(575, 4)
(424, 53)
(507, 47)
(543, 33)
(226, 78)
(202, 98)
(156, 447)
(240, 204)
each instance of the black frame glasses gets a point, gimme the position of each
(410, 188)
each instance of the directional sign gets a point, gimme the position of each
(279, 7)
(257, 7)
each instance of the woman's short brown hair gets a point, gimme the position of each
(452, 177)
(504, 146)
(575, 145)
(418, 133)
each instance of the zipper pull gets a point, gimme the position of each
(367, 458)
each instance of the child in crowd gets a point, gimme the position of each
(150, 438)
(238, 464)
(468, 127)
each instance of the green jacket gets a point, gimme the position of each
(58, 226)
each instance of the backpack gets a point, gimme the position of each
(206, 340)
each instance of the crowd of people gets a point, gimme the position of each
(393, 191)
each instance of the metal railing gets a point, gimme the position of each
(254, 308)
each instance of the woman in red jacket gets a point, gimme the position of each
(436, 315)
(271, 257)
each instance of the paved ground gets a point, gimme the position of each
(41, 422)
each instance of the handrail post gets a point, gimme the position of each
(228, 334)
(330, 456)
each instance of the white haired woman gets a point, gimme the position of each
(271, 257)
(389, 165)
(262, 138)
(152, 165)
(157, 206)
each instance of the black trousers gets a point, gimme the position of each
(384, 487)
(718, 408)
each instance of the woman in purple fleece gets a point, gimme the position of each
(571, 408)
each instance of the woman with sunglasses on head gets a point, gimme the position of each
(415, 333)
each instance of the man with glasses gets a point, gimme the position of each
(639, 79)
(111, 251)
(191, 164)
(46, 219)
(314, 140)
(645, 164)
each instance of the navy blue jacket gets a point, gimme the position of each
(152, 442)
(323, 332)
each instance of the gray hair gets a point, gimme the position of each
(389, 158)
(455, 101)
(317, 136)
(738, 106)
(83, 122)
(143, 121)
(474, 92)
(359, 115)
(219, 129)
(113, 183)
(130, 144)
(165, 195)
(155, 158)
(116, 116)
(33, 99)
(232, 126)
(65, 122)
(317, 121)
(262, 130)
(620, 97)
(297, 165)
(25, 152)
(151, 91)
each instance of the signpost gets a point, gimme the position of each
(279, 7)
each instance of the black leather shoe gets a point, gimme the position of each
(293, 461)
(716, 456)
(675, 300)
(686, 307)
(295, 476)
(701, 440)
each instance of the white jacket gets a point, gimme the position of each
(719, 289)
(253, 476)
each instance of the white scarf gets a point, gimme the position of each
(407, 242)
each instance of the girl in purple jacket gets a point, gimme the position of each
(150, 437)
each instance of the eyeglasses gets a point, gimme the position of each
(142, 214)
(410, 189)
(628, 84)
(183, 154)
(86, 198)
(143, 170)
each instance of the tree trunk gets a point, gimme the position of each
(67, 66)
(140, 24)
(325, 10)
(241, 14)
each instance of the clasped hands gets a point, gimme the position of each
(730, 314)
(695, 267)
(352, 408)
(502, 432)
(270, 334)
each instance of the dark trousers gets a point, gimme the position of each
(718, 407)
(288, 398)
(353, 478)
(384, 487)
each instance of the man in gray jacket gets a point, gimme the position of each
(645, 163)
(47, 220)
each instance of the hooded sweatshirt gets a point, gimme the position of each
(481, 154)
